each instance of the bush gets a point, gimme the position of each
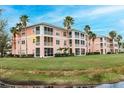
(63, 54)
(93, 53)
(28, 56)
(23, 56)
(120, 52)
(110, 53)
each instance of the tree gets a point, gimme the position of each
(19, 28)
(119, 38)
(88, 32)
(24, 19)
(3, 37)
(68, 22)
(112, 34)
(60, 49)
(87, 29)
(14, 31)
(93, 39)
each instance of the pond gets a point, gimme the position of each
(115, 85)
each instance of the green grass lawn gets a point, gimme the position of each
(92, 69)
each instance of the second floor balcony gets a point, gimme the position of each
(48, 43)
(37, 43)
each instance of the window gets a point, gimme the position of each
(77, 51)
(76, 34)
(48, 51)
(23, 42)
(48, 31)
(64, 33)
(38, 28)
(70, 34)
(37, 51)
(57, 42)
(33, 40)
(38, 40)
(70, 42)
(23, 33)
(82, 35)
(82, 51)
(64, 43)
(101, 39)
(48, 41)
(101, 44)
(77, 41)
(57, 34)
(82, 42)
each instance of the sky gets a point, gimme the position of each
(102, 19)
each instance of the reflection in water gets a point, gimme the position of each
(115, 85)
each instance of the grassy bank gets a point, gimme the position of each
(93, 69)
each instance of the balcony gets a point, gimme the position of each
(48, 43)
(48, 33)
(37, 43)
(37, 32)
(76, 36)
(77, 45)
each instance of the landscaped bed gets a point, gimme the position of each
(84, 70)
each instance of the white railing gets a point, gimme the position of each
(37, 43)
(48, 43)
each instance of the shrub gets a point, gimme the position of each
(120, 52)
(93, 53)
(28, 56)
(63, 54)
(110, 53)
(96, 77)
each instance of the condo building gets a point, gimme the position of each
(104, 45)
(43, 40)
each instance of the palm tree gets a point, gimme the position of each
(119, 38)
(112, 34)
(92, 36)
(24, 19)
(87, 29)
(19, 28)
(60, 49)
(93, 39)
(14, 31)
(88, 32)
(68, 22)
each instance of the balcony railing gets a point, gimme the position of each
(37, 32)
(48, 43)
(76, 36)
(77, 45)
(37, 43)
(48, 33)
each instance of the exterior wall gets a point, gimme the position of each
(80, 42)
(41, 44)
(21, 48)
(105, 45)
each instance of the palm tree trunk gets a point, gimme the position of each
(68, 40)
(14, 44)
(93, 47)
(20, 45)
(26, 43)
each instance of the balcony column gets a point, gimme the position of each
(42, 46)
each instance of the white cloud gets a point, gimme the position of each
(106, 10)
(121, 22)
